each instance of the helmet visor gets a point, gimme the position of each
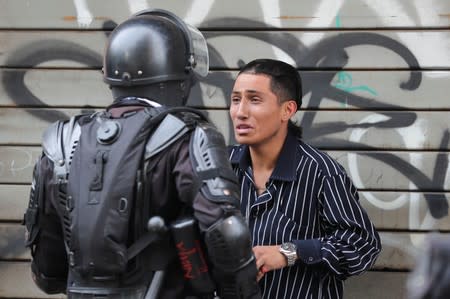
(199, 58)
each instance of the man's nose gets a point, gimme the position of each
(242, 110)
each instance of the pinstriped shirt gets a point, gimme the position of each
(309, 200)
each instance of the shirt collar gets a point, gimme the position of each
(285, 169)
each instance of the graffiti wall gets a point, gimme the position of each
(376, 97)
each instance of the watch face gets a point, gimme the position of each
(288, 246)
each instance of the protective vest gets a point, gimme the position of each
(103, 204)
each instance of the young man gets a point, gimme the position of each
(309, 231)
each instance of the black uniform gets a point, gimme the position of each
(123, 197)
(173, 188)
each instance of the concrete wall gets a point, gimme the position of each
(376, 96)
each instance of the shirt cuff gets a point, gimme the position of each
(309, 251)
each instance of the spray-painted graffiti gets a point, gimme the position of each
(321, 52)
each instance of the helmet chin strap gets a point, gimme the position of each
(147, 101)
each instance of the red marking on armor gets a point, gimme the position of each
(186, 264)
(187, 256)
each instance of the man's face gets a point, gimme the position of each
(257, 115)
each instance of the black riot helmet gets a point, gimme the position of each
(154, 55)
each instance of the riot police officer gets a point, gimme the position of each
(140, 199)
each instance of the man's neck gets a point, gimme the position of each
(264, 156)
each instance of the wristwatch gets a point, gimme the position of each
(289, 250)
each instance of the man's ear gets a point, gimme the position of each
(290, 107)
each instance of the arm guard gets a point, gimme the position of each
(44, 231)
(217, 181)
(228, 240)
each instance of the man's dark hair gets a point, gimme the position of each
(285, 82)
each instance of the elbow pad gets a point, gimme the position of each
(209, 157)
(230, 252)
(48, 256)
(49, 263)
(49, 285)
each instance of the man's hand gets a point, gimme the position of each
(268, 258)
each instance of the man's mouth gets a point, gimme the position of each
(243, 129)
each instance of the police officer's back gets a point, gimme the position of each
(114, 192)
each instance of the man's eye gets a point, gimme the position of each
(235, 100)
(255, 99)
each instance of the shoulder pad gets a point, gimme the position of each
(59, 141)
(168, 131)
